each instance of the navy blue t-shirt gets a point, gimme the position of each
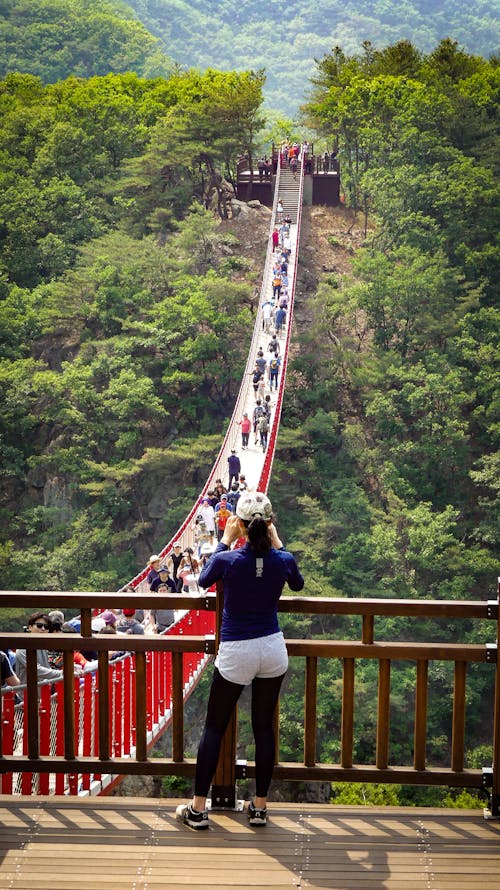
(252, 588)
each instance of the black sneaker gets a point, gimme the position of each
(255, 816)
(185, 813)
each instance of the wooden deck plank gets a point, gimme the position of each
(78, 844)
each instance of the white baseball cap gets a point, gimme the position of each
(254, 504)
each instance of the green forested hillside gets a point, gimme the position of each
(390, 436)
(126, 298)
(120, 299)
(402, 444)
(285, 39)
(55, 38)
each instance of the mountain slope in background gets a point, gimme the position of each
(54, 39)
(285, 38)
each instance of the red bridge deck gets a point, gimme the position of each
(136, 844)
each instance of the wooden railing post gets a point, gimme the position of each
(347, 728)
(31, 705)
(224, 783)
(383, 713)
(421, 694)
(70, 749)
(140, 706)
(458, 725)
(103, 705)
(310, 711)
(493, 812)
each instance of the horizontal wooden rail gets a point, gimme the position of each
(298, 604)
(62, 642)
(393, 651)
(322, 772)
(39, 599)
(315, 648)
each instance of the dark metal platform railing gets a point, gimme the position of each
(455, 774)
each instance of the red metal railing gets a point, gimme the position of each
(121, 714)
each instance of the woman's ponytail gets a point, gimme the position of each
(259, 536)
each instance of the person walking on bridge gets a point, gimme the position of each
(274, 369)
(252, 648)
(246, 426)
(279, 320)
(234, 467)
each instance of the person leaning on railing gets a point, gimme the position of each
(39, 623)
(7, 674)
(252, 648)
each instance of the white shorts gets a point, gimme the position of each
(240, 661)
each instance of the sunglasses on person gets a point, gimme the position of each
(41, 625)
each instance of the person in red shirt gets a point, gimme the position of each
(246, 426)
(223, 511)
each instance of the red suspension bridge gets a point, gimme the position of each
(121, 680)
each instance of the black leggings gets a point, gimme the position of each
(221, 703)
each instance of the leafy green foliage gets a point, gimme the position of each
(52, 39)
(245, 35)
(114, 332)
(120, 307)
(389, 440)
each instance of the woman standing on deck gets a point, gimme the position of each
(252, 648)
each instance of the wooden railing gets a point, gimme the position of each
(455, 774)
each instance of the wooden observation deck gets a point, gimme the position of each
(136, 844)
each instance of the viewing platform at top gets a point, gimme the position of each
(321, 179)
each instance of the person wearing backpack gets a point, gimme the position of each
(274, 367)
(273, 345)
(263, 430)
(258, 411)
(277, 284)
(256, 378)
(233, 495)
